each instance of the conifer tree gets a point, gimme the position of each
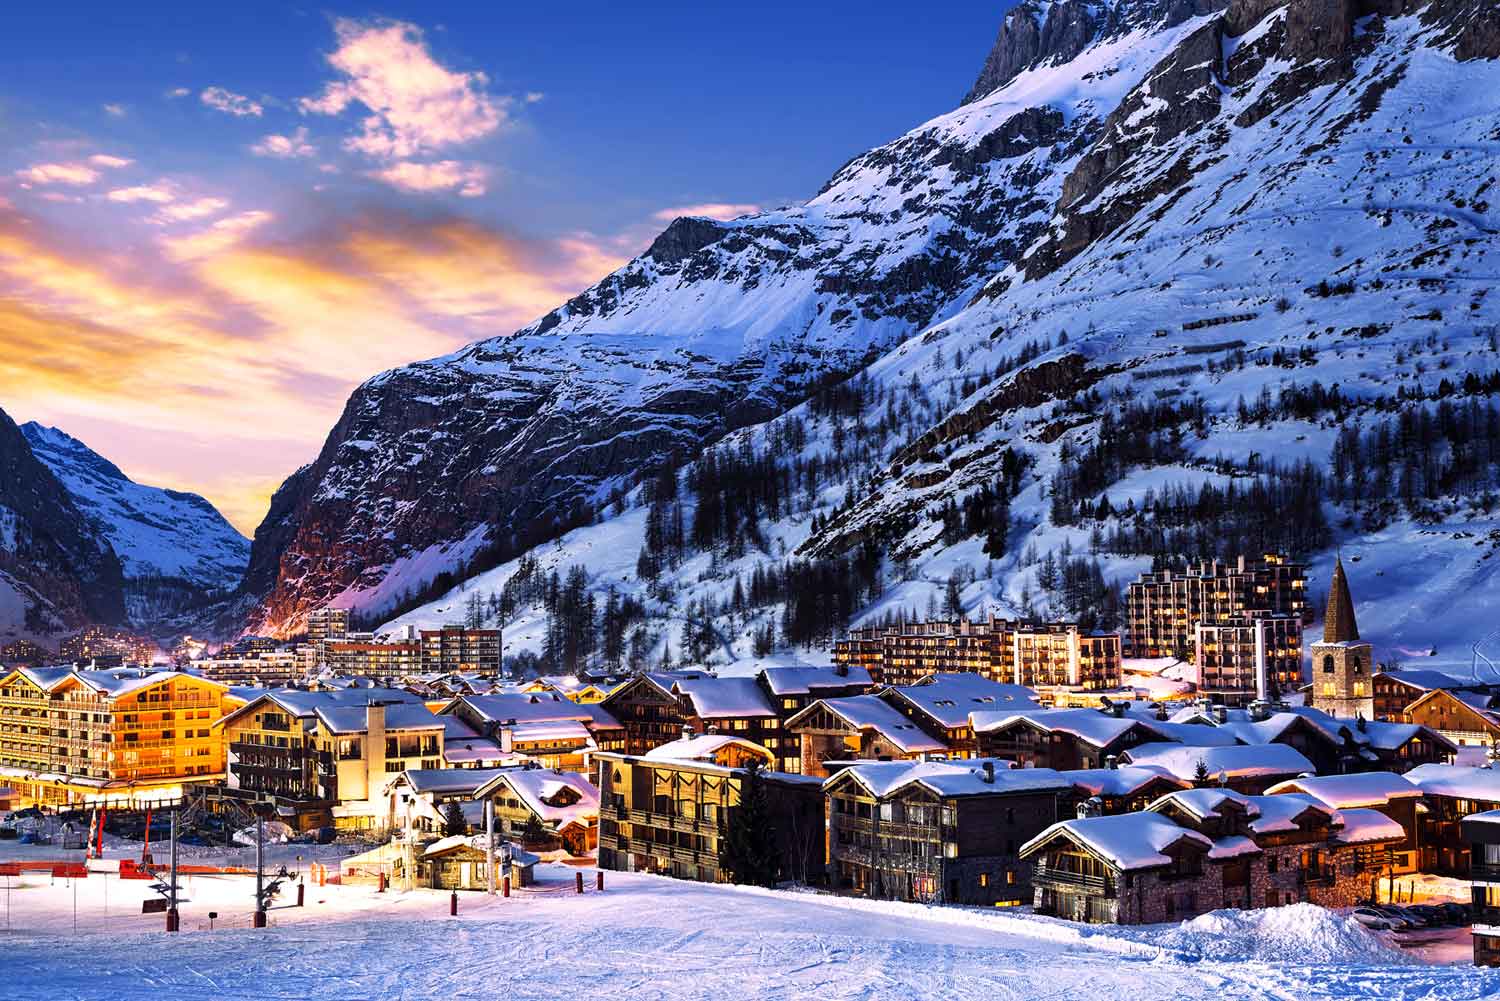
(749, 852)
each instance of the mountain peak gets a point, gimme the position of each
(58, 442)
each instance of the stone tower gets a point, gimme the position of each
(1342, 664)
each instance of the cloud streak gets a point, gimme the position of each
(231, 103)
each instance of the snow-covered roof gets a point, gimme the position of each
(1345, 791)
(355, 719)
(480, 750)
(1237, 761)
(726, 698)
(1206, 803)
(1457, 782)
(950, 698)
(1425, 679)
(1363, 826)
(1123, 781)
(1192, 734)
(538, 707)
(1097, 728)
(806, 680)
(557, 729)
(704, 748)
(1280, 813)
(1128, 841)
(446, 780)
(126, 680)
(871, 712)
(557, 798)
(966, 777)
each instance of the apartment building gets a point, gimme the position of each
(455, 648)
(263, 669)
(1248, 657)
(68, 735)
(1164, 607)
(1046, 655)
(327, 624)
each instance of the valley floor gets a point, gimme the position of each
(654, 938)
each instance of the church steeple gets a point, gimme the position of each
(1339, 625)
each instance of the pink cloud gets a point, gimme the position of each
(59, 173)
(416, 105)
(159, 193)
(187, 211)
(215, 239)
(285, 147)
(112, 162)
(722, 211)
(467, 179)
(230, 103)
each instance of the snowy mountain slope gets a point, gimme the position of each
(718, 326)
(55, 573)
(1287, 199)
(173, 547)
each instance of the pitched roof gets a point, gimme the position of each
(1457, 782)
(1122, 781)
(1362, 826)
(1238, 761)
(401, 716)
(1339, 625)
(1425, 679)
(950, 698)
(537, 707)
(539, 789)
(1346, 791)
(447, 780)
(1126, 840)
(725, 698)
(870, 712)
(1097, 728)
(805, 680)
(703, 747)
(950, 778)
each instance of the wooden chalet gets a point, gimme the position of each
(1058, 738)
(857, 728)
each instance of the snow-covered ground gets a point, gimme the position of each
(652, 937)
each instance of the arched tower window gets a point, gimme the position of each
(1357, 669)
(1328, 664)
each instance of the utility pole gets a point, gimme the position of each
(489, 842)
(174, 920)
(260, 871)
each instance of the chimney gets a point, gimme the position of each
(1112, 762)
(1161, 712)
(374, 745)
(989, 772)
(1221, 714)
(712, 730)
(1117, 709)
(1091, 807)
(1260, 710)
(687, 732)
(507, 740)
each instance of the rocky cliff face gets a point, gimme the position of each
(55, 573)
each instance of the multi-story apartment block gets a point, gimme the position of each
(371, 659)
(1248, 657)
(1048, 655)
(327, 624)
(938, 832)
(1163, 608)
(454, 648)
(268, 669)
(670, 811)
(68, 735)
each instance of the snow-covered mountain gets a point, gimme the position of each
(55, 572)
(1213, 277)
(718, 326)
(174, 548)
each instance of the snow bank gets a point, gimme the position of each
(1299, 933)
(277, 833)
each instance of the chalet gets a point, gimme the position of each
(1451, 793)
(1057, 738)
(1395, 691)
(649, 711)
(1465, 718)
(942, 703)
(544, 808)
(461, 862)
(1203, 849)
(860, 727)
(738, 707)
(361, 747)
(1246, 769)
(1481, 831)
(669, 811)
(938, 831)
(417, 800)
(1384, 792)
(792, 689)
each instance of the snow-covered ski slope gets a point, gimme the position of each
(655, 938)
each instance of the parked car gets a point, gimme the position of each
(1398, 917)
(1370, 918)
(1458, 914)
(1431, 915)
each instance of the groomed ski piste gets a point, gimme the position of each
(650, 937)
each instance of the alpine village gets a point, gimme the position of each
(1067, 536)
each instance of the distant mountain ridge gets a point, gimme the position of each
(175, 548)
